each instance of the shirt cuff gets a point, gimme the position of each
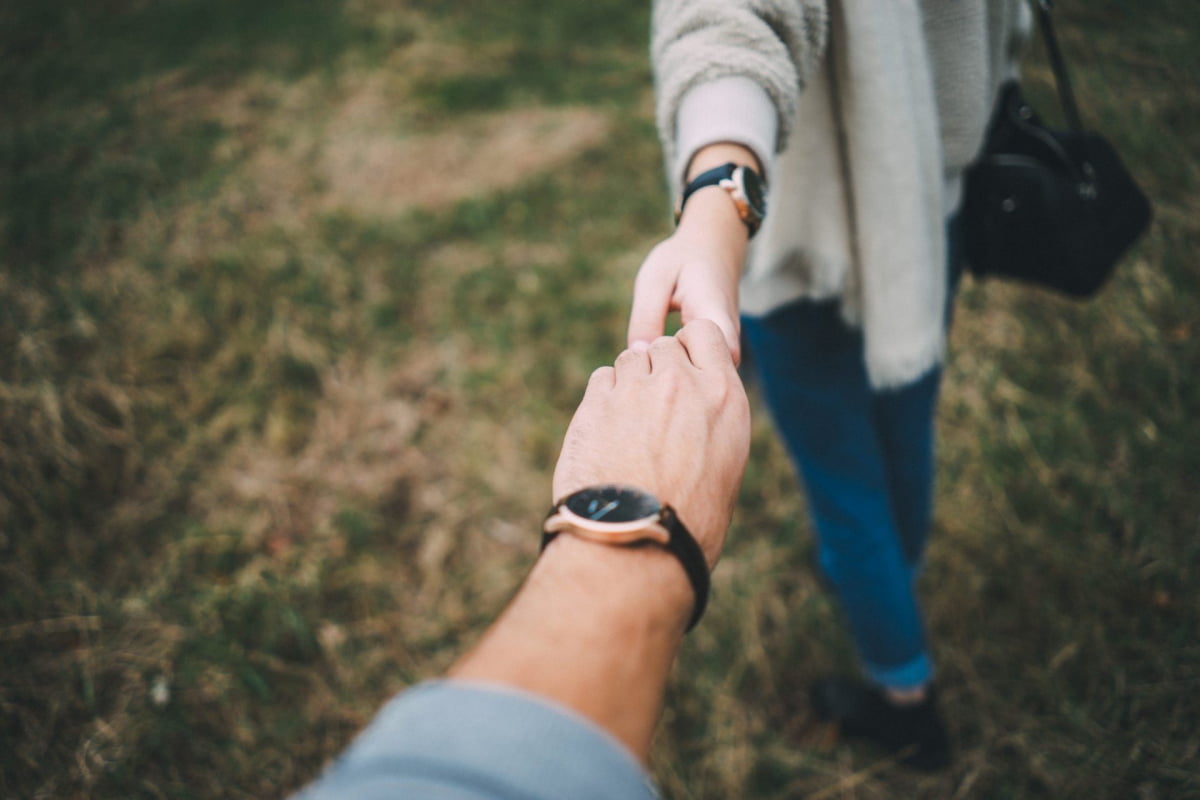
(731, 109)
(454, 739)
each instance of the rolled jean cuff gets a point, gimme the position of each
(909, 675)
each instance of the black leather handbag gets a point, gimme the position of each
(1049, 207)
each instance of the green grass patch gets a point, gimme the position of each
(268, 455)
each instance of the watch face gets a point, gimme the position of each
(756, 195)
(613, 504)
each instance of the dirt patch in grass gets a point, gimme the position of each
(359, 451)
(372, 170)
(296, 151)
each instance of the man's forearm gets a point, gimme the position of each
(595, 628)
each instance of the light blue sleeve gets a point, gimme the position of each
(449, 740)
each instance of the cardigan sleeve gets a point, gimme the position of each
(775, 43)
(731, 109)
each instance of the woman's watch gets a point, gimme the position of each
(747, 190)
(624, 515)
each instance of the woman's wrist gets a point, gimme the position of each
(711, 211)
(712, 218)
(714, 155)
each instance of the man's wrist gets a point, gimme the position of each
(595, 628)
(642, 583)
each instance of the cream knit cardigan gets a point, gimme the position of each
(880, 105)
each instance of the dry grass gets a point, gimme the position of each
(295, 304)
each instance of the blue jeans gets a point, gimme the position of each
(867, 459)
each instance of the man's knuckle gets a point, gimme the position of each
(625, 356)
(664, 343)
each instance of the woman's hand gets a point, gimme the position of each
(696, 270)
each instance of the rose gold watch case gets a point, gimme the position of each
(746, 212)
(646, 529)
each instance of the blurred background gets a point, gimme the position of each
(297, 298)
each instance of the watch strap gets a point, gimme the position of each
(711, 177)
(685, 548)
(735, 179)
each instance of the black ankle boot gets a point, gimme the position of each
(916, 731)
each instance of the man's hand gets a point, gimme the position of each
(671, 419)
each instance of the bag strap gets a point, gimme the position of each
(1065, 95)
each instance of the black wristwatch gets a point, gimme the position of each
(624, 515)
(747, 190)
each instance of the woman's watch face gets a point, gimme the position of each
(613, 504)
(755, 193)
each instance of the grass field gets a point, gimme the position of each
(296, 300)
